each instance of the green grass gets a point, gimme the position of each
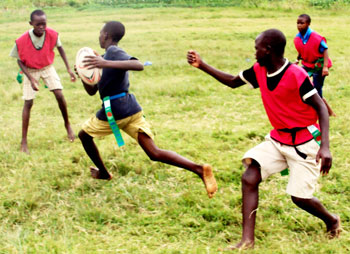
(48, 202)
(86, 4)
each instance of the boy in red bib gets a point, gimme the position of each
(35, 55)
(292, 105)
(313, 52)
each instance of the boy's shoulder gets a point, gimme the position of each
(114, 49)
(116, 53)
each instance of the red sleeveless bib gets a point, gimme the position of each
(284, 106)
(309, 52)
(37, 58)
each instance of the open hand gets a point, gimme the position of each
(94, 62)
(326, 160)
(193, 58)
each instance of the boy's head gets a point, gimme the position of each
(38, 21)
(111, 33)
(303, 23)
(269, 43)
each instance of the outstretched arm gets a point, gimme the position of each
(63, 55)
(324, 153)
(98, 62)
(194, 59)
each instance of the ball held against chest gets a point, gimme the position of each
(88, 76)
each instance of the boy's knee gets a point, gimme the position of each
(155, 155)
(83, 135)
(28, 104)
(58, 94)
(299, 201)
(252, 176)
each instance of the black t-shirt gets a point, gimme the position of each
(116, 81)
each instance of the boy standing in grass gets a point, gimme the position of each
(127, 112)
(313, 52)
(34, 51)
(292, 105)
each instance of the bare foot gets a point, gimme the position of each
(24, 148)
(209, 180)
(70, 133)
(239, 246)
(95, 173)
(334, 229)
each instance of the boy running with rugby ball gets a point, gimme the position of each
(114, 84)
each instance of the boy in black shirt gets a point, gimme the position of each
(126, 110)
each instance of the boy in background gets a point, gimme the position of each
(34, 51)
(313, 52)
(127, 112)
(292, 105)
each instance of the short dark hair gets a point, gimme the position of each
(276, 39)
(115, 29)
(36, 13)
(307, 17)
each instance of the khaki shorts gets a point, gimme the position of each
(132, 125)
(274, 157)
(48, 74)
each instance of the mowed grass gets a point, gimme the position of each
(49, 203)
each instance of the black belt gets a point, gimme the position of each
(293, 132)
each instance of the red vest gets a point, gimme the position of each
(284, 106)
(309, 52)
(37, 58)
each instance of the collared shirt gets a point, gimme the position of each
(305, 39)
(38, 43)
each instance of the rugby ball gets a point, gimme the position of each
(88, 76)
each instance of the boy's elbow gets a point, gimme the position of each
(139, 66)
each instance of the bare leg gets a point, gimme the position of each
(92, 151)
(250, 194)
(315, 207)
(63, 107)
(28, 104)
(172, 158)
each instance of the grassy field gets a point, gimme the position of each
(49, 203)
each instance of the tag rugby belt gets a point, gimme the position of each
(110, 117)
(316, 134)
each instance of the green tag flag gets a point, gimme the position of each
(315, 133)
(20, 77)
(285, 172)
(111, 121)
